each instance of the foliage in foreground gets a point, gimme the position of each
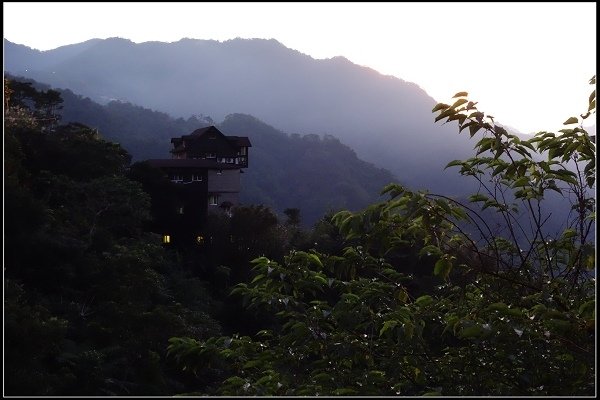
(512, 311)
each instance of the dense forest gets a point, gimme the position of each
(415, 294)
(315, 173)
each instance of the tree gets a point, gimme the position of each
(509, 312)
(90, 298)
(293, 215)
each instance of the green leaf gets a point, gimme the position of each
(474, 128)
(572, 120)
(440, 106)
(458, 103)
(493, 203)
(453, 163)
(443, 204)
(430, 250)
(560, 325)
(387, 325)
(260, 260)
(320, 279)
(568, 179)
(323, 376)
(477, 197)
(471, 331)
(252, 364)
(587, 308)
(569, 233)
(424, 301)
(445, 114)
(499, 169)
(522, 181)
(315, 260)
(442, 268)
(468, 124)
(515, 312)
(590, 180)
(485, 144)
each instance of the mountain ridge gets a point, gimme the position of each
(386, 120)
(313, 173)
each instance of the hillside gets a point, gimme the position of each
(313, 173)
(386, 120)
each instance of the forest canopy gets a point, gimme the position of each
(416, 294)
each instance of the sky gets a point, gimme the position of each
(527, 64)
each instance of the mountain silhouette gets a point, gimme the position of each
(386, 120)
(313, 173)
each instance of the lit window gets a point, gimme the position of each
(213, 199)
(180, 210)
(177, 178)
(211, 155)
(166, 239)
(196, 178)
(200, 239)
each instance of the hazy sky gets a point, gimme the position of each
(528, 64)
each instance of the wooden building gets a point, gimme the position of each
(205, 166)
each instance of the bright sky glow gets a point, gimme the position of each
(528, 64)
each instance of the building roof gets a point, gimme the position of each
(202, 131)
(190, 163)
(241, 141)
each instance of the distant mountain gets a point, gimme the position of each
(387, 121)
(313, 173)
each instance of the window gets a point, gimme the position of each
(213, 199)
(243, 151)
(196, 178)
(200, 239)
(180, 210)
(211, 155)
(166, 239)
(176, 178)
(219, 172)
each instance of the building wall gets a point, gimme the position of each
(227, 181)
(233, 198)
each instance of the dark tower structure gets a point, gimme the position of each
(206, 167)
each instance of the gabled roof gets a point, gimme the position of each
(203, 131)
(239, 141)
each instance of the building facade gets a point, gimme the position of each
(205, 167)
